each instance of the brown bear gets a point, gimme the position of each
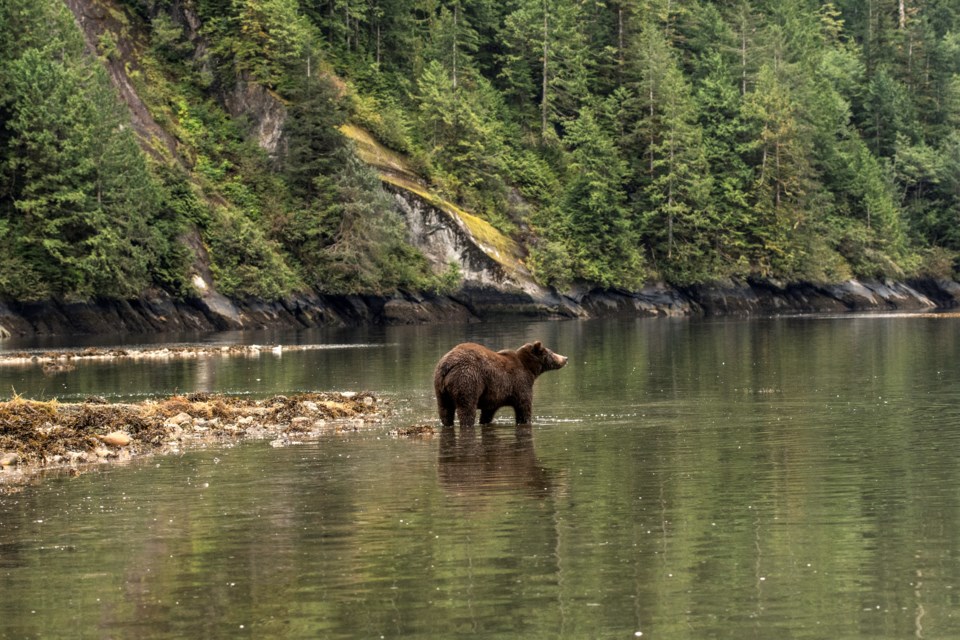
(471, 377)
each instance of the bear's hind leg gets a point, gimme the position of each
(486, 415)
(447, 408)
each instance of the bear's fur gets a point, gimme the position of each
(471, 377)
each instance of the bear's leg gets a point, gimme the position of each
(467, 415)
(447, 409)
(486, 415)
(524, 412)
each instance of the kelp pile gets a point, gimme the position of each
(36, 435)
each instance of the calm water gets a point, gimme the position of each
(792, 478)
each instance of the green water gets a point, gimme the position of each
(792, 478)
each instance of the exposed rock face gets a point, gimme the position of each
(945, 293)
(444, 239)
(655, 299)
(495, 280)
(156, 312)
(94, 21)
(262, 108)
(768, 297)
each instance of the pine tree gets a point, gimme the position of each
(784, 174)
(726, 138)
(313, 147)
(82, 199)
(605, 247)
(547, 57)
(675, 214)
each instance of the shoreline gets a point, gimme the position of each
(62, 360)
(158, 312)
(40, 436)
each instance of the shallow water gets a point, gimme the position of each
(791, 478)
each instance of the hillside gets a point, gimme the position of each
(258, 152)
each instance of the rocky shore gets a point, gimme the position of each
(40, 436)
(475, 302)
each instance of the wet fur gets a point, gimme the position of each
(471, 377)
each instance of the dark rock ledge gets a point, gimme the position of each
(214, 312)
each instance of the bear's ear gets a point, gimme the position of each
(537, 347)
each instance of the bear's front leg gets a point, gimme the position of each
(486, 415)
(524, 412)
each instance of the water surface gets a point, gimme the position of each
(791, 478)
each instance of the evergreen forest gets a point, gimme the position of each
(619, 141)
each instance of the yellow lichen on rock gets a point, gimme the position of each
(377, 155)
(396, 171)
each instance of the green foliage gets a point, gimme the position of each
(264, 40)
(596, 233)
(79, 216)
(385, 119)
(314, 147)
(619, 141)
(245, 263)
(356, 243)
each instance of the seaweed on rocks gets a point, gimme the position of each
(37, 435)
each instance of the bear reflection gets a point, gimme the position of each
(489, 459)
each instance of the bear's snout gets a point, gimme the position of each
(559, 361)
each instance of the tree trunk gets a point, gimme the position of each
(620, 60)
(456, 16)
(543, 100)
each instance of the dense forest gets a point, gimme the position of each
(620, 141)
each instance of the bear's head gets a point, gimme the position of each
(539, 359)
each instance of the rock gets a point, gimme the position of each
(310, 406)
(300, 423)
(421, 430)
(179, 419)
(116, 439)
(9, 459)
(262, 109)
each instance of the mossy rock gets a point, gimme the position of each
(396, 171)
